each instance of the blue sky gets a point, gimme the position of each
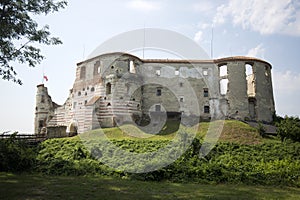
(261, 28)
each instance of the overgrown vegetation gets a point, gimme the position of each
(266, 164)
(262, 162)
(289, 128)
(15, 155)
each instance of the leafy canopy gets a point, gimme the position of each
(19, 32)
(289, 128)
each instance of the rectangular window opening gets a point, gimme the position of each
(205, 92)
(158, 92)
(157, 108)
(206, 109)
(157, 72)
(181, 99)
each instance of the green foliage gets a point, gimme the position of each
(289, 128)
(266, 164)
(18, 26)
(15, 155)
(261, 129)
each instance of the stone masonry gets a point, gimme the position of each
(118, 88)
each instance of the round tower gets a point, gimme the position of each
(43, 109)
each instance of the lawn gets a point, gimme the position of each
(35, 186)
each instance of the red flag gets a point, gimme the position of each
(46, 78)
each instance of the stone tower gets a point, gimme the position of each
(44, 109)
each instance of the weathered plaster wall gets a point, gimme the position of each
(117, 88)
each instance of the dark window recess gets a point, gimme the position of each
(205, 92)
(206, 109)
(79, 93)
(82, 72)
(180, 84)
(108, 88)
(108, 104)
(181, 99)
(157, 108)
(92, 89)
(41, 123)
(43, 99)
(96, 68)
(85, 102)
(158, 92)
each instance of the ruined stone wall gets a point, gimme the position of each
(118, 88)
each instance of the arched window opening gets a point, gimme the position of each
(97, 68)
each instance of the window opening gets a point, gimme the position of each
(205, 72)
(82, 72)
(248, 69)
(157, 108)
(158, 72)
(158, 92)
(224, 86)
(108, 88)
(223, 71)
(206, 109)
(205, 92)
(131, 67)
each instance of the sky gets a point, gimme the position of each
(265, 29)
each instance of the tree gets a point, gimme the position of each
(289, 128)
(19, 32)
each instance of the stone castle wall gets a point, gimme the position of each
(118, 88)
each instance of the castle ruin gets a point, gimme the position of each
(117, 88)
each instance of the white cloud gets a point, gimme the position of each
(287, 92)
(263, 16)
(198, 37)
(144, 6)
(257, 52)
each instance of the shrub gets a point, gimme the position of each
(16, 155)
(289, 128)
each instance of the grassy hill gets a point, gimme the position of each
(233, 131)
(240, 156)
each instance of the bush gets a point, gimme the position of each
(15, 155)
(266, 164)
(289, 128)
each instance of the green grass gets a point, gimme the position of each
(53, 187)
(233, 131)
